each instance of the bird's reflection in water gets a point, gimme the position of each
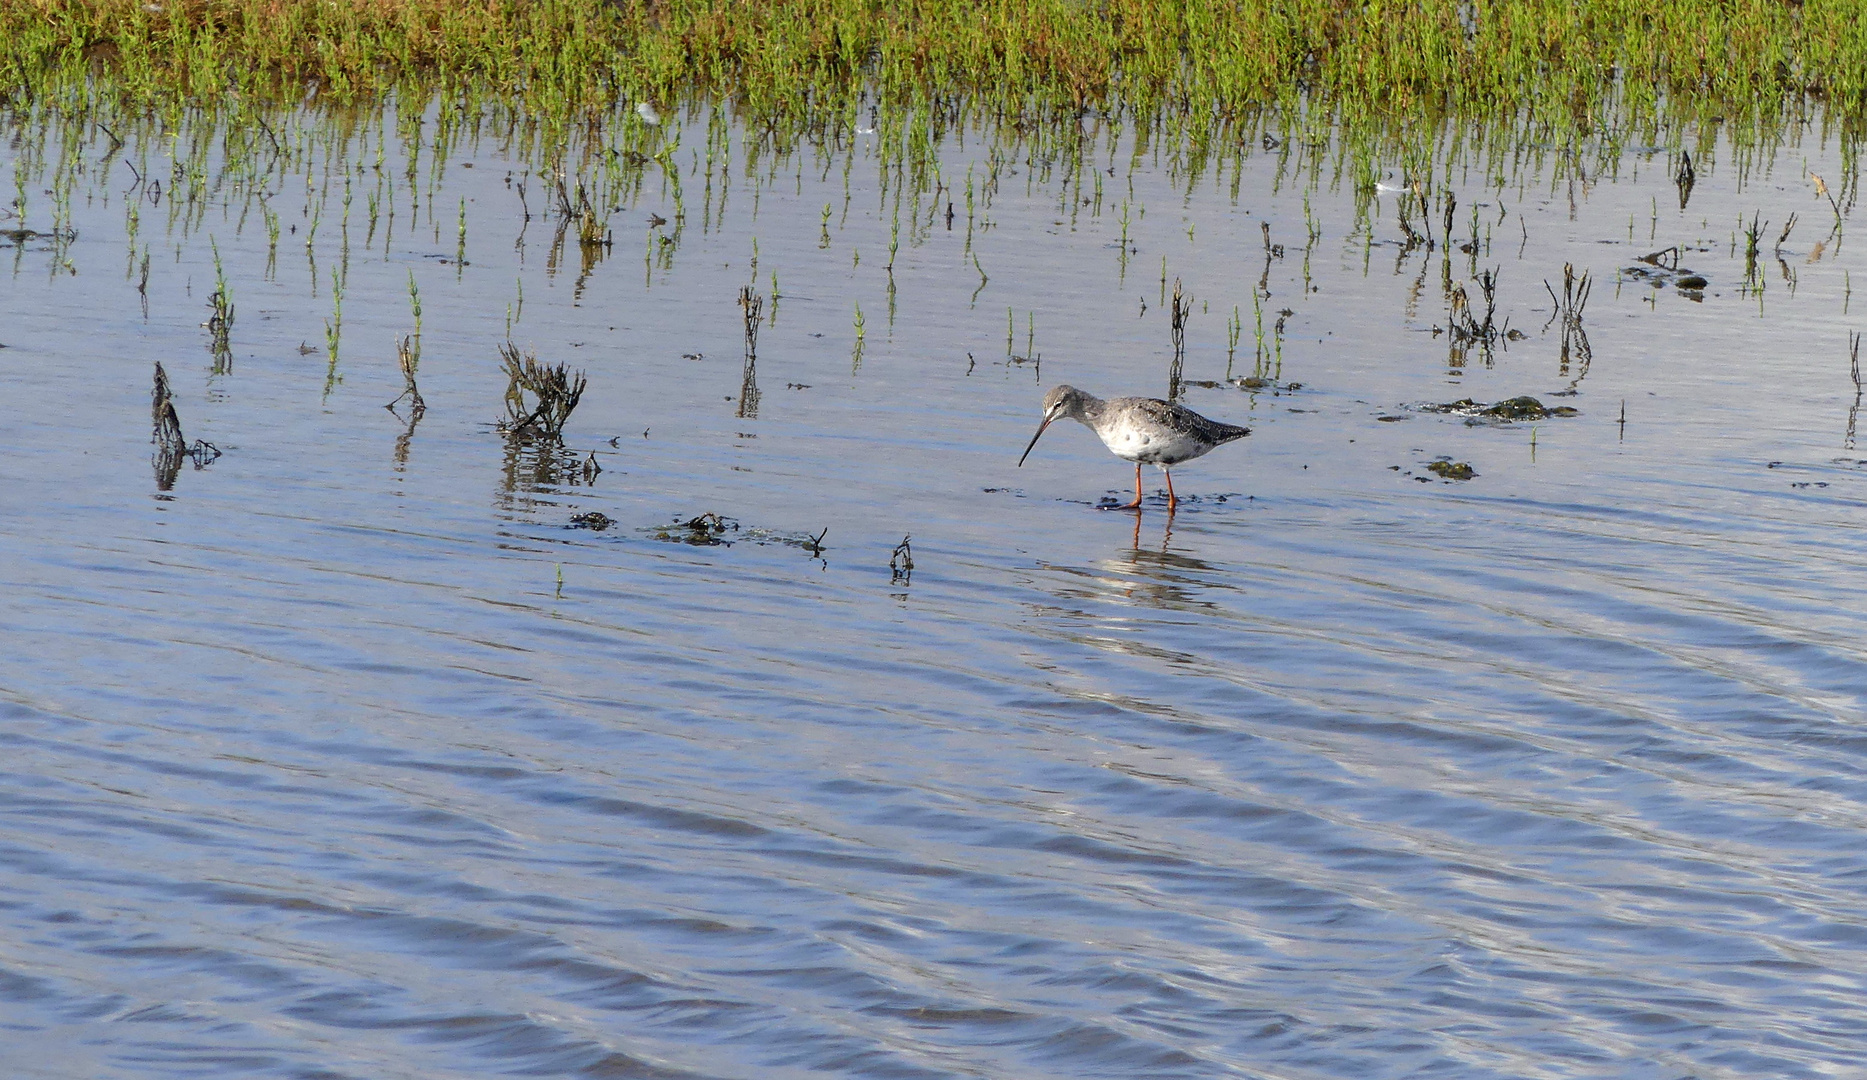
(1157, 575)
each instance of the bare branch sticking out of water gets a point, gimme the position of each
(1413, 238)
(1466, 326)
(753, 306)
(1575, 290)
(592, 225)
(408, 358)
(553, 390)
(1569, 305)
(1854, 368)
(901, 563)
(168, 426)
(1177, 330)
(220, 320)
(1463, 326)
(171, 446)
(1821, 189)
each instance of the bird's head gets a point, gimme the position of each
(1062, 401)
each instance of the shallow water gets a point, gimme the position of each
(347, 756)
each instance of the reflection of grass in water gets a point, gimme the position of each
(333, 334)
(1190, 55)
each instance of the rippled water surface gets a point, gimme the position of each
(347, 754)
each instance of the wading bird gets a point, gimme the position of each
(1146, 431)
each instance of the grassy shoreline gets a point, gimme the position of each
(1210, 57)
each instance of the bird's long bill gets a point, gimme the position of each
(1034, 438)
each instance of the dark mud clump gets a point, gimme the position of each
(716, 530)
(592, 520)
(1661, 268)
(707, 530)
(1447, 469)
(1524, 407)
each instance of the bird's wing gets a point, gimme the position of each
(1180, 418)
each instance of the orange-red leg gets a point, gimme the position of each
(1173, 500)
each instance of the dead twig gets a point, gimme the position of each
(1854, 368)
(408, 358)
(168, 426)
(1182, 306)
(554, 393)
(753, 306)
(901, 563)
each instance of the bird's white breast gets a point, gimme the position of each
(1149, 442)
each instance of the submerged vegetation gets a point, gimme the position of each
(777, 57)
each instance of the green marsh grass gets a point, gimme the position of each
(237, 152)
(808, 60)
